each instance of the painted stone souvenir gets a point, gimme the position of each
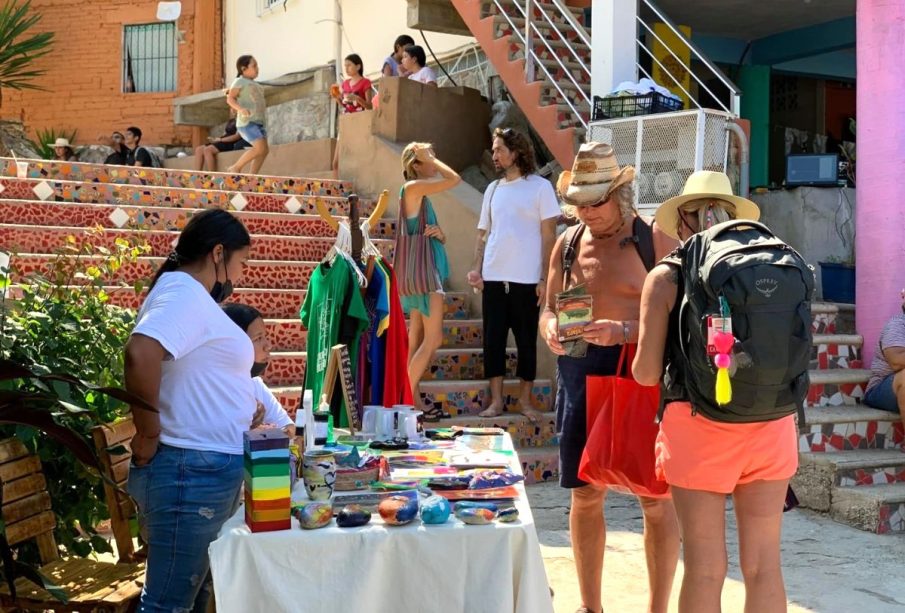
(313, 515)
(508, 514)
(319, 473)
(352, 516)
(435, 510)
(476, 513)
(398, 510)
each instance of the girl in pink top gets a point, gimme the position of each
(355, 93)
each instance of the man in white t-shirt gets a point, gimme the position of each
(516, 233)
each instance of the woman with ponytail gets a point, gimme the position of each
(187, 358)
(246, 97)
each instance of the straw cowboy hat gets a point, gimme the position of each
(703, 185)
(62, 142)
(594, 176)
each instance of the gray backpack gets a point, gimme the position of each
(768, 287)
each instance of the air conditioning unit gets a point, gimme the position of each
(666, 148)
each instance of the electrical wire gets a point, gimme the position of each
(433, 55)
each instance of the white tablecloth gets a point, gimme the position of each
(378, 568)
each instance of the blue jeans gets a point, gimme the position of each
(882, 396)
(184, 497)
(252, 132)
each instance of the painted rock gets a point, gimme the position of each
(508, 514)
(398, 510)
(435, 510)
(475, 516)
(468, 504)
(313, 514)
(352, 516)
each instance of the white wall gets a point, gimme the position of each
(290, 40)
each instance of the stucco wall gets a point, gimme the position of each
(818, 222)
(288, 39)
(292, 159)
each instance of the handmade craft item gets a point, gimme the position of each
(508, 514)
(352, 516)
(267, 482)
(398, 510)
(319, 473)
(313, 515)
(723, 341)
(435, 510)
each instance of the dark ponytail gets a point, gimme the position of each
(242, 63)
(201, 234)
(241, 314)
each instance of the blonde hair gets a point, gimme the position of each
(625, 198)
(709, 211)
(409, 157)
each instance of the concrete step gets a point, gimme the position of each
(152, 195)
(288, 367)
(101, 173)
(837, 387)
(830, 429)
(525, 434)
(458, 398)
(834, 351)
(79, 215)
(875, 508)
(48, 239)
(271, 274)
(540, 464)
(833, 318)
(819, 473)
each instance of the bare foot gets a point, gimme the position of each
(232, 170)
(494, 410)
(531, 414)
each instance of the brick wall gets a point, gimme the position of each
(84, 72)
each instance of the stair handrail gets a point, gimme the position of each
(735, 92)
(532, 60)
(578, 30)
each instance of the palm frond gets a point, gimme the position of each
(19, 51)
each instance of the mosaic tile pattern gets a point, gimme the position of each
(472, 397)
(43, 239)
(891, 518)
(164, 218)
(834, 395)
(824, 323)
(465, 364)
(524, 433)
(463, 333)
(258, 273)
(872, 476)
(286, 369)
(286, 334)
(112, 193)
(539, 468)
(847, 436)
(834, 355)
(100, 173)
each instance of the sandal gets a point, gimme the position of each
(433, 413)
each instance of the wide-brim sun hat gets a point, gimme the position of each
(62, 142)
(594, 176)
(703, 185)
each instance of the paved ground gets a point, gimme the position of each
(829, 567)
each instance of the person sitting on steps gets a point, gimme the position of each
(206, 155)
(886, 387)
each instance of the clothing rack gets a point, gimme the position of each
(355, 227)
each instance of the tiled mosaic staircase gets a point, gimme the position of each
(851, 465)
(38, 214)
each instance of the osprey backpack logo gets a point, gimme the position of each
(766, 286)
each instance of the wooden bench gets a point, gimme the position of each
(90, 585)
(116, 468)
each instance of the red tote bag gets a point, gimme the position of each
(622, 432)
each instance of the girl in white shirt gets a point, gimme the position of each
(187, 358)
(415, 62)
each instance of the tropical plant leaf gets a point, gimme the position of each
(44, 421)
(41, 580)
(18, 50)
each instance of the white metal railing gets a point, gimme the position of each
(734, 106)
(533, 61)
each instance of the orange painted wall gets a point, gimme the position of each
(84, 69)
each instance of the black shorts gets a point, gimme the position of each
(571, 405)
(236, 146)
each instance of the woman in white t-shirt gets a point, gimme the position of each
(187, 358)
(415, 62)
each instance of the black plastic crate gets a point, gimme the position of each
(629, 106)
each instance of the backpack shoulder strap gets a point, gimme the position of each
(570, 251)
(643, 237)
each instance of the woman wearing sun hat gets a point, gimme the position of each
(610, 263)
(702, 459)
(63, 150)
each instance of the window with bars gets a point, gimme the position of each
(150, 58)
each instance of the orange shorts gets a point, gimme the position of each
(698, 453)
